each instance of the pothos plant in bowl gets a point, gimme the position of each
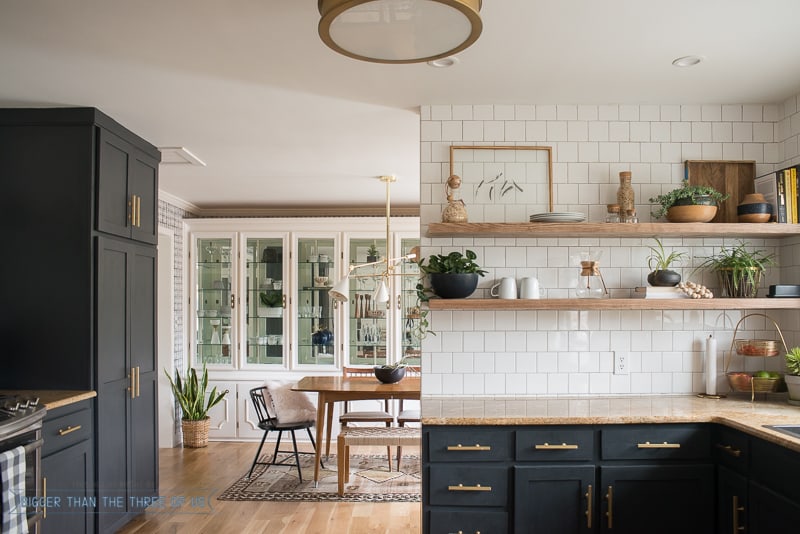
(705, 199)
(453, 276)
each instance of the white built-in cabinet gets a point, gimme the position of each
(258, 307)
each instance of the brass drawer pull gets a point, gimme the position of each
(68, 430)
(729, 449)
(476, 447)
(563, 447)
(610, 513)
(665, 445)
(462, 487)
(589, 496)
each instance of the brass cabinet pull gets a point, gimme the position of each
(665, 445)
(137, 383)
(233, 301)
(588, 512)
(476, 447)
(736, 510)
(729, 449)
(138, 211)
(398, 302)
(610, 513)
(44, 496)
(131, 208)
(462, 487)
(132, 388)
(68, 430)
(548, 447)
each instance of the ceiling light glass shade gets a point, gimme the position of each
(381, 292)
(340, 289)
(399, 31)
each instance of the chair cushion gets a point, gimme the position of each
(366, 416)
(290, 406)
(409, 415)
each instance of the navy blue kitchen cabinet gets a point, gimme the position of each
(569, 479)
(81, 198)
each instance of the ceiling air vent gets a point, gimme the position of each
(178, 155)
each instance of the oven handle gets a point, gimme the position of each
(33, 445)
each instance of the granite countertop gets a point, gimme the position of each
(53, 398)
(736, 412)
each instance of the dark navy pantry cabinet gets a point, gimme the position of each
(80, 208)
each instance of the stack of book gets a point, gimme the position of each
(659, 293)
(783, 192)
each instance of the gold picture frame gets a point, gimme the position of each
(547, 149)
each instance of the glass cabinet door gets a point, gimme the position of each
(408, 304)
(213, 303)
(367, 321)
(265, 301)
(313, 307)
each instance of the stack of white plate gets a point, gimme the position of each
(558, 216)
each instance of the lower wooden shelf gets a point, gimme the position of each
(615, 304)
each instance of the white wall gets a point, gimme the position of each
(570, 353)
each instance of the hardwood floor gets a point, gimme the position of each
(204, 473)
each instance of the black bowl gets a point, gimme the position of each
(389, 375)
(755, 207)
(453, 285)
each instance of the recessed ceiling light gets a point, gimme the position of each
(444, 62)
(687, 61)
(178, 155)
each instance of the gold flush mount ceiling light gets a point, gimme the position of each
(399, 31)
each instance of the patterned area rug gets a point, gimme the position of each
(370, 481)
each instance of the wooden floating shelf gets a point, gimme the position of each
(612, 229)
(615, 304)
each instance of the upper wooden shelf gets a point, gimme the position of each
(612, 229)
(614, 304)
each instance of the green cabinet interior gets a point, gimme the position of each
(598, 478)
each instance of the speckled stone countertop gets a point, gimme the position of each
(736, 412)
(52, 398)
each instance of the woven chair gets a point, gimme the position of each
(268, 421)
(348, 417)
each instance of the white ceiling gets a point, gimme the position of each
(282, 121)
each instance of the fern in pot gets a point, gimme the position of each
(191, 396)
(738, 270)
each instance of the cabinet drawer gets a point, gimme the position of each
(730, 448)
(643, 442)
(468, 485)
(465, 444)
(776, 467)
(467, 522)
(554, 444)
(62, 431)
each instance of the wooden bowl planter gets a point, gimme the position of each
(691, 213)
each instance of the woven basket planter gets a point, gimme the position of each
(195, 433)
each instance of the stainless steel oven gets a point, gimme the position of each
(21, 424)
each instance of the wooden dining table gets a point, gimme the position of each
(331, 389)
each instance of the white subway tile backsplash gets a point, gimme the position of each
(560, 353)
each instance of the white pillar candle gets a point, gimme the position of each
(711, 366)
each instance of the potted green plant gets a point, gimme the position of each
(390, 373)
(659, 263)
(738, 269)
(270, 304)
(704, 198)
(191, 396)
(792, 377)
(453, 276)
(372, 253)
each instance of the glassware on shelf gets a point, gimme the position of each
(630, 217)
(590, 284)
(226, 341)
(613, 213)
(215, 335)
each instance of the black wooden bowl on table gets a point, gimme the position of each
(389, 375)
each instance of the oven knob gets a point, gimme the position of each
(24, 405)
(34, 401)
(12, 407)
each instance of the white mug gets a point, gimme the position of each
(529, 288)
(506, 288)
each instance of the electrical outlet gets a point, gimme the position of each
(620, 363)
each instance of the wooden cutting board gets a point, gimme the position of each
(732, 177)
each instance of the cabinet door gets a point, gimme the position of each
(266, 336)
(551, 499)
(144, 441)
(214, 303)
(731, 501)
(143, 185)
(314, 310)
(114, 205)
(246, 418)
(69, 475)
(223, 416)
(771, 512)
(407, 304)
(657, 499)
